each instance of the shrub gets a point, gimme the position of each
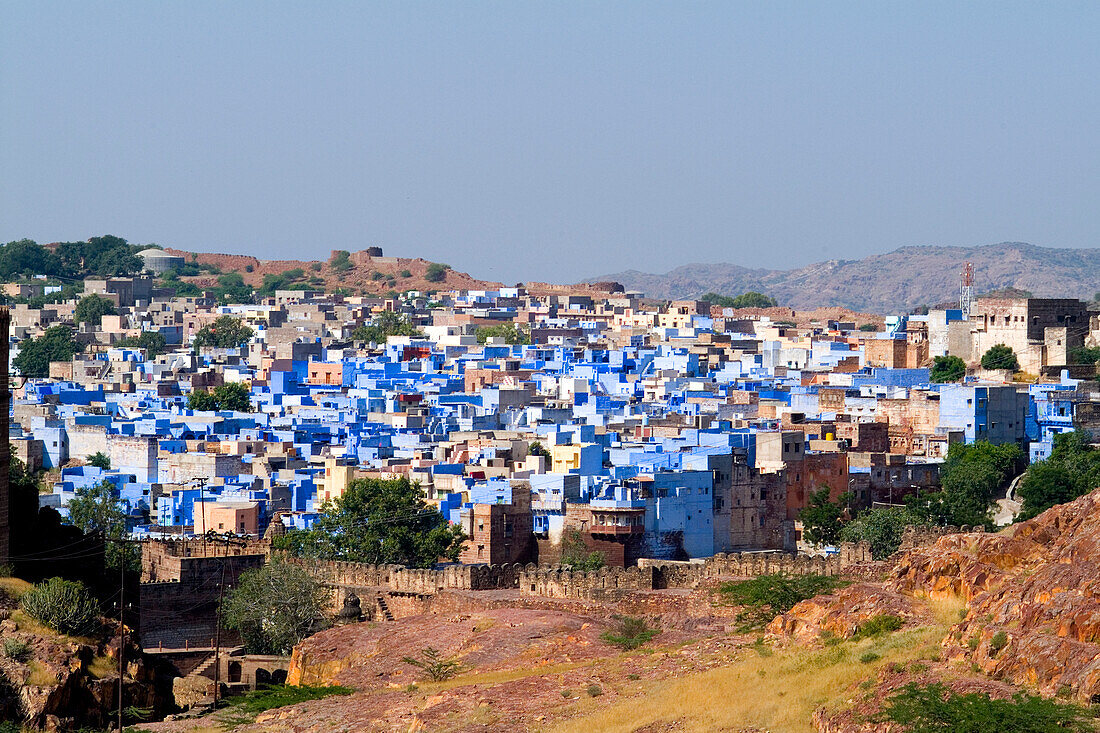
(16, 650)
(567, 694)
(767, 596)
(630, 633)
(278, 696)
(947, 369)
(435, 666)
(65, 606)
(376, 275)
(999, 641)
(6, 570)
(924, 709)
(405, 274)
(633, 677)
(877, 625)
(594, 691)
(973, 641)
(1000, 356)
(315, 266)
(868, 657)
(436, 273)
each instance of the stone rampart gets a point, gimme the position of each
(558, 581)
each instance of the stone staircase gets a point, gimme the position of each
(383, 608)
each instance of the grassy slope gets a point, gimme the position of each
(771, 691)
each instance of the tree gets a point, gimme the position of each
(99, 459)
(507, 331)
(378, 521)
(868, 327)
(751, 299)
(575, 554)
(153, 342)
(1000, 356)
(274, 607)
(437, 667)
(27, 257)
(822, 519)
(340, 261)
(35, 355)
(436, 273)
(201, 401)
(384, 325)
(630, 632)
(881, 528)
(92, 308)
(1072, 470)
(96, 509)
(66, 606)
(233, 396)
(947, 369)
(226, 332)
(1085, 355)
(232, 289)
(969, 479)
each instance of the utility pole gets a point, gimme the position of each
(201, 481)
(218, 618)
(121, 618)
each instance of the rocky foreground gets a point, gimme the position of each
(995, 613)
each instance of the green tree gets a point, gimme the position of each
(947, 369)
(232, 289)
(27, 257)
(384, 325)
(226, 332)
(378, 521)
(274, 607)
(35, 355)
(340, 261)
(868, 327)
(105, 256)
(436, 273)
(1072, 470)
(881, 528)
(751, 299)
(575, 554)
(201, 401)
(96, 509)
(233, 396)
(1000, 356)
(92, 308)
(969, 479)
(822, 519)
(507, 331)
(153, 342)
(1084, 355)
(99, 459)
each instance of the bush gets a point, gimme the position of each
(947, 369)
(436, 273)
(278, 696)
(973, 642)
(925, 709)
(767, 596)
(405, 274)
(435, 666)
(999, 641)
(594, 691)
(315, 266)
(1000, 357)
(878, 625)
(868, 657)
(16, 650)
(630, 633)
(65, 606)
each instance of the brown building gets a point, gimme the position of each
(500, 533)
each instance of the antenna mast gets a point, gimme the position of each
(966, 298)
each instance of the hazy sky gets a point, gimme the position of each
(524, 140)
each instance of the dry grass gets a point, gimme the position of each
(40, 676)
(26, 623)
(778, 693)
(103, 667)
(14, 587)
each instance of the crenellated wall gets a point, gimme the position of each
(562, 582)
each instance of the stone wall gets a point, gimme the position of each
(913, 537)
(5, 404)
(562, 582)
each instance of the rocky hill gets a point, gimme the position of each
(897, 281)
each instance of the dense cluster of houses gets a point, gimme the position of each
(636, 428)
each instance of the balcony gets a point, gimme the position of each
(618, 530)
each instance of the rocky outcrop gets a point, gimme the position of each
(63, 683)
(840, 614)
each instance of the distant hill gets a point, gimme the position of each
(897, 281)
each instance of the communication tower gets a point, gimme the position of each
(966, 298)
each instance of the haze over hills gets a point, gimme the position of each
(900, 280)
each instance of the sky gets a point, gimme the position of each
(553, 141)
